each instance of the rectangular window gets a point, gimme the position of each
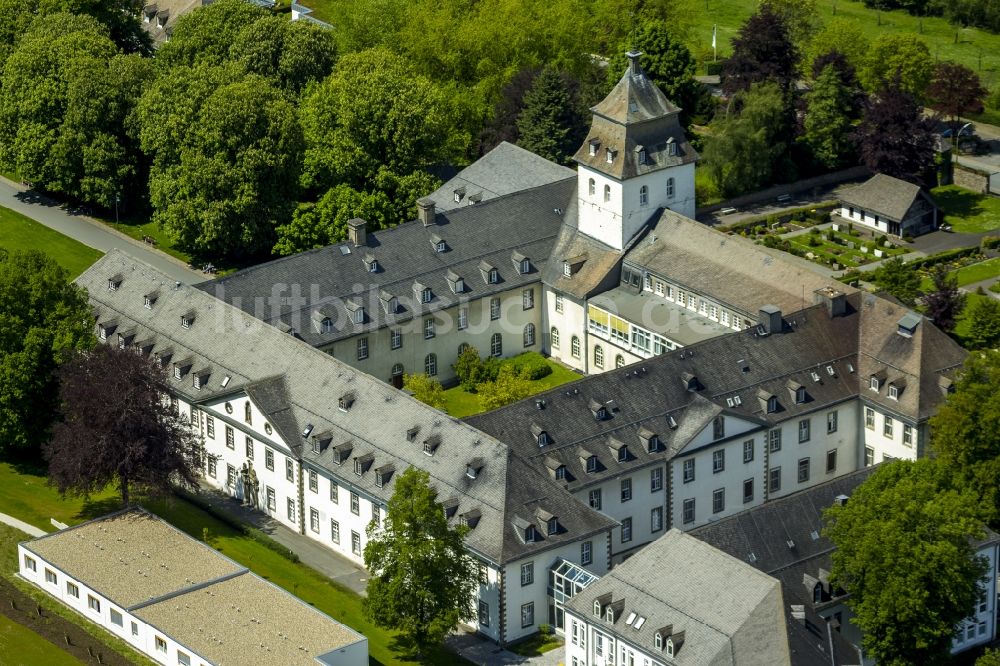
(908, 435)
(688, 511)
(289, 470)
(50, 577)
(355, 543)
(747, 491)
(93, 603)
(831, 422)
(484, 614)
(495, 308)
(586, 552)
(831, 461)
(272, 502)
(688, 470)
(748, 451)
(774, 440)
(869, 418)
(718, 461)
(803, 470)
(527, 573)
(718, 500)
(626, 489)
(527, 299)
(395, 338)
(230, 476)
(528, 614)
(804, 428)
(362, 348)
(135, 629)
(656, 519)
(183, 659)
(774, 480)
(594, 498)
(249, 449)
(626, 530)
(269, 459)
(887, 427)
(116, 618)
(161, 645)
(210, 427)
(429, 328)
(559, 302)
(212, 463)
(355, 504)
(869, 456)
(656, 479)
(376, 515)
(463, 318)
(314, 520)
(72, 590)
(334, 492)
(291, 510)
(313, 481)
(659, 288)
(334, 531)
(230, 438)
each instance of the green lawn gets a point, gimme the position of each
(140, 228)
(18, 232)
(976, 272)
(961, 332)
(25, 494)
(460, 403)
(536, 645)
(967, 211)
(20, 646)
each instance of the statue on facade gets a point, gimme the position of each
(252, 485)
(244, 484)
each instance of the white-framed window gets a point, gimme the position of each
(334, 492)
(495, 308)
(249, 447)
(72, 590)
(619, 361)
(431, 365)
(774, 440)
(484, 608)
(291, 510)
(496, 345)
(527, 573)
(554, 337)
(426, 296)
(893, 391)
(803, 470)
(493, 276)
(718, 500)
(135, 629)
(362, 348)
(688, 470)
(718, 461)
(626, 490)
(528, 614)
(586, 552)
(212, 464)
(50, 577)
(656, 519)
(355, 504)
(161, 644)
(626, 530)
(527, 299)
(463, 318)
(289, 469)
(314, 520)
(591, 187)
(268, 458)
(831, 461)
(804, 430)
(643, 196)
(874, 385)
(607, 193)
(183, 659)
(774, 479)
(869, 418)
(748, 447)
(887, 427)
(210, 427)
(599, 356)
(93, 603)
(230, 476)
(355, 543)
(116, 618)
(429, 328)
(688, 513)
(594, 499)
(670, 188)
(529, 334)
(831, 422)
(656, 479)
(230, 438)
(907, 435)
(559, 303)
(272, 502)
(395, 338)
(334, 531)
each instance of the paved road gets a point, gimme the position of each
(90, 232)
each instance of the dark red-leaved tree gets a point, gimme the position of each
(894, 138)
(762, 50)
(945, 301)
(955, 89)
(117, 427)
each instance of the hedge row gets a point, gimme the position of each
(943, 257)
(817, 212)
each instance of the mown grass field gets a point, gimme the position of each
(18, 232)
(967, 211)
(20, 646)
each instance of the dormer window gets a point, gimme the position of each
(493, 276)
(800, 395)
(595, 145)
(148, 300)
(440, 246)
(591, 464)
(670, 648)
(530, 534)
(893, 391)
(610, 156)
(411, 434)
(473, 469)
(114, 282)
(383, 474)
(373, 265)
(658, 642)
(772, 405)
(560, 473)
(640, 154)
(187, 320)
(431, 444)
(671, 147)
(389, 302)
(345, 401)
(567, 269)
(623, 454)
(874, 383)
(597, 609)
(362, 463)
(456, 282)
(544, 439)
(610, 615)
(326, 326)
(359, 315)
(426, 295)
(459, 194)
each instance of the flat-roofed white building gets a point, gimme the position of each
(179, 601)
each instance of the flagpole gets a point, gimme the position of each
(715, 51)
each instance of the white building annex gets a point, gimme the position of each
(177, 600)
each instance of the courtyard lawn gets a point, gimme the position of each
(984, 270)
(460, 403)
(20, 646)
(967, 211)
(18, 232)
(536, 645)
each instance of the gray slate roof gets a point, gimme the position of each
(728, 611)
(504, 170)
(295, 385)
(324, 282)
(890, 197)
(731, 268)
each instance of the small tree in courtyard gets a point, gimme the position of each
(897, 278)
(117, 427)
(945, 301)
(422, 580)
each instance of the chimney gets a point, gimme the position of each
(834, 299)
(633, 62)
(356, 231)
(426, 206)
(770, 320)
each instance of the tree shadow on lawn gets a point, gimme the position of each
(959, 203)
(96, 508)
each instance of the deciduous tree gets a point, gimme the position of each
(944, 302)
(291, 53)
(42, 319)
(898, 279)
(966, 429)
(509, 386)
(762, 50)
(422, 580)
(899, 60)
(842, 35)
(425, 389)
(955, 89)
(984, 323)
(124, 433)
(831, 117)
(905, 557)
(894, 138)
(207, 34)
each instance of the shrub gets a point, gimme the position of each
(530, 364)
(989, 242)
(545, 629)
(468, 368)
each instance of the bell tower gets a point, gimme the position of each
(635, 160)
